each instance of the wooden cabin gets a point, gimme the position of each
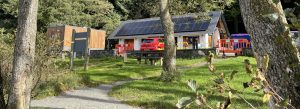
(97, 38)
(188, 30)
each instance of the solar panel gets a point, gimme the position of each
(186, 27)
(130, 31)
(182, 24)
(158, 30)
(176, 27)
(190, 19)
(142, 31)
(197, 26)
(156, 23)
(148, 30)
(176, 21)
(129, 25)
(121, 31)
(204, 25)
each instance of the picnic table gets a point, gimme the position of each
(152, 56)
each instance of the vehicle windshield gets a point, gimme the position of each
(147, 40)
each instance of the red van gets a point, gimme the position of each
(152, 44)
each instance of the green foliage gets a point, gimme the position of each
(8, 15)
(276, 1)
(85, 13)
(193, 85)
(257, 82)
(248, 66)
(56, 85)
(6, 60)
(232, 74)
(267, 97)
(183, 102)
(138, 9)
(219, 81)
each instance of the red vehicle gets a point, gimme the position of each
(152, 44)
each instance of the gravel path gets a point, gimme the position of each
(89, 98)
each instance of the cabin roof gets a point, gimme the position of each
(183, 25)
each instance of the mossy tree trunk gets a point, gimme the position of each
(266, 22)
(21, 84)
(169, 61)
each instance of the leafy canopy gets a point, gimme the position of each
(86, 13)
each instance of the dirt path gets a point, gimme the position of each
(92, 98)
(89, 98)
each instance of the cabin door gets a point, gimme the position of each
(129, 44)
(191, 42)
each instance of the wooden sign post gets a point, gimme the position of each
(87, 51)
(72, 49)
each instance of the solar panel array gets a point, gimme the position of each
(183, 24)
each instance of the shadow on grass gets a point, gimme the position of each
(153, 105)
(89, 99)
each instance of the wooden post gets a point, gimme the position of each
(161, 61)
(125, 56)
(146, 60)
(151, 61)
(72, 49)
(155, 62)
(63, 56)
(139, 60)
(87, 53)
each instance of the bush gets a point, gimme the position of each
(50, 75)
(54, 87)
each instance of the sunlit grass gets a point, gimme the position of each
(153, 94)
(108, 70)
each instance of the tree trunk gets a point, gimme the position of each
(169, 61)
(271, 38)
(72, 50)
(21, 84)
(87, 51)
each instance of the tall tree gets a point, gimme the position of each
(21, 84)
(89, 13)
(169, 72)
(275, 54)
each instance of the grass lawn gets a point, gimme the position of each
(152, 94)
(108, 70)
(101, 71)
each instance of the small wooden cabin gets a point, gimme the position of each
(97, 38)
(188, 30)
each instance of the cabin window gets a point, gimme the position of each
(147, 40)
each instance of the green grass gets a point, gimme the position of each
(153, 94)
(108, 70)
(100, 71)
(187, 62)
